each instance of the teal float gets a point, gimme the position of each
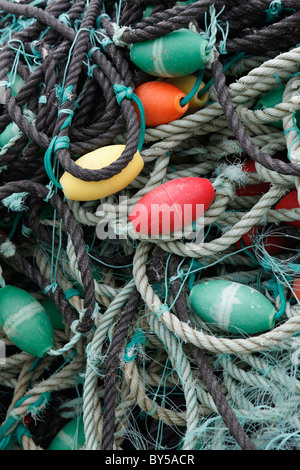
(53, 313)
(270, 100)
(9, 132)
(16, 83)
(25, 321)
(70, 437)
(233, 307)
(176, 54)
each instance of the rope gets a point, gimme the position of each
(132, 365)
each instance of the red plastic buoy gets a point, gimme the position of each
(249, 166)
(273, 244)
(296, 288)
(290, 201)
(252, 189)
(161, 102)
(172, 206)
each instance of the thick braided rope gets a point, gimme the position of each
(197, 338)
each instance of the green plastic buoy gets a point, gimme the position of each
(9, 132)
(25, 321)
(233, 307)
(270, 100)
(148, 11)
(71, 436)
(16, 84)
(53, 313)
(176, 54)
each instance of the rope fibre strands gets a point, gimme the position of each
(150, 225)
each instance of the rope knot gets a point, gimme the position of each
(15, 201)
(162, 309)
(7, 249)
(122, 92)
(224, 188)
(274, 10)
(117, 37)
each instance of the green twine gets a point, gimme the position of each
(152, 412)
(248, 252)
(17, 220)
(15, 201)
(281, 311)
(68, 346)
(22, 431)
(270, 264)
(63, 94)
(109, 265)
(162, 309)
(296, 129)
(55, 144)
(21, 51)
(274, 10)
(7, 440)
(122, 92)
(195, 88)
(226, 67)
(138, 340)
(64, 18)
(43, 99)
(53, 284)
(69, 293)
(166, 372)
(90, 68)
(118, 7)
(99, 19)
(211, 30)
(277, 289)
(222, 45)
(106, 41)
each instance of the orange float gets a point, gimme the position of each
(161, 102)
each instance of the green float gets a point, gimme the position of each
(233, 307)
(71, 436)
(148, 11)
(9, 132)
(25, 321)
(179, 53)
(53, 313)
(16, 84)
(270, 100)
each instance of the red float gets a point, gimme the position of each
(273, 244)
(172, 206)
(296, 288)
(252, 189)
(290, 201)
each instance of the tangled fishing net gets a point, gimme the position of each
(133, 366)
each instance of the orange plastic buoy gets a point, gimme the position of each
(296, 288)
(161, 102)
(186, 84)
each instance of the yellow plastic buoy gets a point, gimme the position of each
(186, 84)
(79, 190)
